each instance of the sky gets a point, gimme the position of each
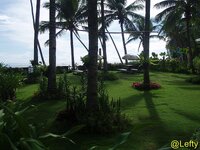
(16, 37)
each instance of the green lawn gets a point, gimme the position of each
(157, 116)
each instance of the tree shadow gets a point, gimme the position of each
(187, 115)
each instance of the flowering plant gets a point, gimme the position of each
(141, 86)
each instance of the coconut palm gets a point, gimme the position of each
(118, 10)
(176, 10)
(52, 48)
(137, 31)
(70, 14)
(92, 102)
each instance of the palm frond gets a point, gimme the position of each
(165, 3)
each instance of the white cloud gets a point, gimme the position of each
(16, 26)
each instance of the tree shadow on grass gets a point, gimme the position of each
(190, 116)
(151, 130)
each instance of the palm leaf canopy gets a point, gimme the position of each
(119, 11)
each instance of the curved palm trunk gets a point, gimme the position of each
(92, 100)
(146, 46)
(37, 21)
(72, 49)
(81, 41)
(123, 40)
(105, 65)
(115, 46)
(52, 49)
(38, 43)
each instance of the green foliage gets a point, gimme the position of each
(85, 60)
(34, 77)
(106, 120)
(196, 135)
(62, 89)
(9, 81)
(17, 134)
(196, 62)
(110, 76)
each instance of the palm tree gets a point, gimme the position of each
(146, 80)
(52, 48)
(137, 31)
(176, 10)
(92, 102)
(118, 10)
(70, 14)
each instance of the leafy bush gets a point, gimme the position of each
(110, 76)
(17, 134)
(34, 77)
(62, 89)
(107, 119)
(9, 82)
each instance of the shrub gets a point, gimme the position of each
(110, 76)
(107, 119)
(17, 134)
(62, 89)
(9, 82)
(34, 77)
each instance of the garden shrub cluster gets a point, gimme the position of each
(34, 77)
(107, 119)
(108, 76)
(9, 81)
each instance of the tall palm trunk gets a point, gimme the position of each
(52, 49)
(123, 40)
(38, 43)
(72, 49)
(105, 65)
(37, 21)
(92, 99)
(188, 16)
(146, 45)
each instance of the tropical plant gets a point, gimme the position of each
(70, 14)
(9, 82)
(16, 133)
(176, 11)
(118, 10)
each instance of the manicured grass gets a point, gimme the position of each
(157, 116)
